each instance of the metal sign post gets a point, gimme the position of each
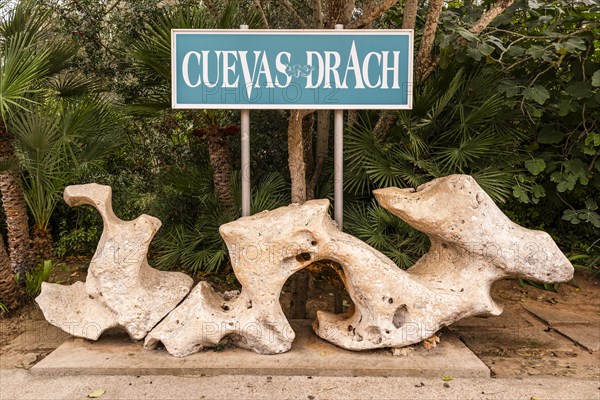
(338, 163)
(245, 150)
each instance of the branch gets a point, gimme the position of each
(385, 124)
(365, 20)
(318, 14)
(296, 162)
(338, 12)
(212, 8)
(262, 14)
(367, 8)
(289, 7)
(116, 3)
(425, 56)
(303, 113)
(490, 15)
(477, 28)
(409, 18)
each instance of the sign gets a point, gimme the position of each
(281, 69)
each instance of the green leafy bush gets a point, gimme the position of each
(196, 246)
(34, 278)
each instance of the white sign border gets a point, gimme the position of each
(292, 106)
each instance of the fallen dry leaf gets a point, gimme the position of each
(96, 393)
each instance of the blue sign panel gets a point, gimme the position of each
(318, 69)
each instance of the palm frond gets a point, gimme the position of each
(497, 183)
(72, 84)
(271, 192)
(54, 141)
(27, 19)
(385, 232)
(197, 246)
(152, 53)
(21, 68)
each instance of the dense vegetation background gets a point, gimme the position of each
(507, 91)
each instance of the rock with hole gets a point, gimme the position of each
(473, 244)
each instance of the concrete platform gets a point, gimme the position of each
(310, 356)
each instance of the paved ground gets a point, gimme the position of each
(19, 384)
(544, 346)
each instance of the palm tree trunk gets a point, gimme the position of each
(15, 207)
(9, 290)
(42, 247)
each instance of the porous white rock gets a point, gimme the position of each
(121, 289)
(473, 245)
(265, 250)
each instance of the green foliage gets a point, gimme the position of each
(549, 56)
(79, 241)
(516, 106)
(34, 278)
(550, 287)
(58, 126)
(385, 232)
(22, 63)
(54, 141)
(196, 246)
(587, 214)
(588, 259)
(459, 124)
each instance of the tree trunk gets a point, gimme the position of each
(298, 178)
(425, 57)
(9, 290)
(323, 123)
(309, 157)
(387, 121)
(352, 118)
(296, 156)
(15, 207)
(299, 294)
(220, 162)
(410, 14)
(317, 14)
(42, 247)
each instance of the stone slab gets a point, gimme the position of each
(558, 314)
(309, 356)
(587, 336)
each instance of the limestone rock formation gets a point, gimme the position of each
(121, 289)
(473, 245)
(265, 250)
